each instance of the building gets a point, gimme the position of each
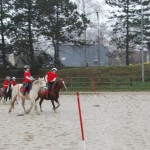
(73, 56)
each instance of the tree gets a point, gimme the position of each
(125, 28)
(5, 6)
(22, 29)
(146, 27)
(40, 60)
(59, 20)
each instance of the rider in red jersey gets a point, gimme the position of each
(27, 79)
(6, 84)
(13, 81)
(50, 78)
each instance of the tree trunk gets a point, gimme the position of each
(2, 34)
(56, 55)
(127, 36)
(30, 36)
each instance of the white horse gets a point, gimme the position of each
(36, 85)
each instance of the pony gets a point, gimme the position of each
(35, 87)
(54, 95)
(7, 94)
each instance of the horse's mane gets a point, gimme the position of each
(35, 82)
(38, 81)
(55, 83)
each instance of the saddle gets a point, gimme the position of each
(43, 90)
(23, 90)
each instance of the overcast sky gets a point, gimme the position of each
(93, 6)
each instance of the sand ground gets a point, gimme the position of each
(111, 121)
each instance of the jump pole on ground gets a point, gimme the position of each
(81, 124)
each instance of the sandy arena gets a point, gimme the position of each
(111, 121)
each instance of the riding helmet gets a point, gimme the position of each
(54, 69)
(26, 66)
(7, 78)
(13, 78)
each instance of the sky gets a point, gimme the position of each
(93, 6)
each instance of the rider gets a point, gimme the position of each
(50, 79)
(13, 81)
(27, 79)
(6, 84)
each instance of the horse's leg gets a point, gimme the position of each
(32, 104)
(12, 104)
(20, 105)
(53, 104)
(56, 100)
(23, 105)
(35, 103)
(0, 98)
(4, 100)
(9, 99)
(40, 103)
(28, 111)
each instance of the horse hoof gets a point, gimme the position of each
(20, 115)
(9, 111)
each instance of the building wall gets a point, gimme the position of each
(94, 55)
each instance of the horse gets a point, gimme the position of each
(35, 87)
(54, 94)
(7, 94)
(1, 93)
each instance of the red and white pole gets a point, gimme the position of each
(94, 87)
(81, 124)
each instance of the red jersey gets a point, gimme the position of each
(26, 73)
(6, 84)
(50, 76)
(13, 82)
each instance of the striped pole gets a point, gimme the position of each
(94, 87)
(81, 124)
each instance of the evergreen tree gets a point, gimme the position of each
(146, 25)
(5, 6)
(22, 31)
(126, 24)
(59, 20)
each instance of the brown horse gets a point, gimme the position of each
(6, 94)
(54, 95)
